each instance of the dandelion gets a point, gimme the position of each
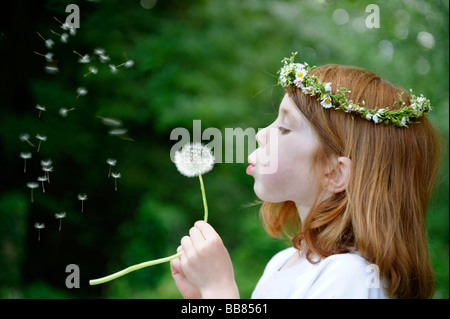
(81, 91)
(63, 111)
(115, 176)
(47, 170)
(111, 162)
(26, 138)
(195, 160)
(25, 156)
(192, 160)
(41, 109)
(129, 64)
(104, 58)
(41, 139)
(32, 186)
(113, 68)
(99, 51)
(39, 227)
(60, 217)
(64, 37)
(82, 197)
(51, 69)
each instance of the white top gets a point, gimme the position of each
(337, 276)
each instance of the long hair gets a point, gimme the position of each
(382, 212)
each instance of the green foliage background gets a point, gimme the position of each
(202, 59)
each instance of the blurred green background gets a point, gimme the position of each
(211, 60)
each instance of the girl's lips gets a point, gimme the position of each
(250, 168)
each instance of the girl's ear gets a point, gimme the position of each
(338, 177)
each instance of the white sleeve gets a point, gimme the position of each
(344, 276)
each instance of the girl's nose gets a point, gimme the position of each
(261, 137)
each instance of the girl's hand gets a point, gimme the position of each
(205, 262)
(187, 290)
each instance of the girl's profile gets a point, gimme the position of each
(357, 159)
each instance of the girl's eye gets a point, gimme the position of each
(283, 130)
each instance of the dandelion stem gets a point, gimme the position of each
(39, 146)
(132, 268)
(60, 220)
(55, 33)
(25, 166)
(77, 53)
(39, 235)
(41, 36)
(205, 205)
(82, 205)
(31, 195)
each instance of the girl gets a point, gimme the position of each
(355, 164)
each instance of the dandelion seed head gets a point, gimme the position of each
(49, 43)
(51, 69)
(85, 58)
(46, 163)
(39, 226)
(99, 51)
(41, 108)
(104, 58)
(118, 131)
(82, 196)
(93, 70)
(25, 155)
(113, 68)
(111, 122)
(82, 91)
(24, 137)
(42, 178)
(41, 137)
(32, 185)
(64, 37)
(194, 159)
(47, 169)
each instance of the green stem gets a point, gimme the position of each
(132, 268)
(151, 262)
(205, 205)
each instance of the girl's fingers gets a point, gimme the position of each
(196, 236)
(186, 246)
(206, 229)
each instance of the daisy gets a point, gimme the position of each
(60, 217)
(82, 197)
(326, 102)
(39, 227)
(25, 156)
(32, 186)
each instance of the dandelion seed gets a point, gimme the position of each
(51, 69)
(82, 197)
(110, 122)
(41, 109)
(32, 186)
(60, 217)
(63, 111)
(48, 42)
(111, 162)
(47, 170)
(42, 179)
(115, 176)
(113, 68)
(81, 91)
(83, 58)
(118, 131)
(25, 156)
(64, 37)
(73, 31)
(92, 70)
(99, 51)
(104, 58)
(26, 138)
(129, 64)
(41, 139)
(48, 57)
(39, 227)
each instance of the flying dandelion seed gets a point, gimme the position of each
(82, 198)
(39, 227)
(26, 138)
(99, 51)
(129, 64)
(115, 176)
(42, 179)
(41, 109)
(47, 170)
(60, 217)
(63, 111)
(110, 122)
(111, 162)
(64, 37)
(50, 69)
(113, 68)
(48, 57)
(104, 58)
(81, 91)
(92, 70)
(32, 186)
(83, 58)
(25, 156)
(48, 42)
(41, 138)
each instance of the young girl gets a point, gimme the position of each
(355, 159)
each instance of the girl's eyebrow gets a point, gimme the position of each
(286, 114)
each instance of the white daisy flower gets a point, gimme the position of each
(326, 102)
(328, 87)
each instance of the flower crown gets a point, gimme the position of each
(296, 74)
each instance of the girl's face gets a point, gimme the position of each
(283, 165)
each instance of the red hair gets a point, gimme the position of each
(382, 212)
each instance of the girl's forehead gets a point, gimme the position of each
(289, 110)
